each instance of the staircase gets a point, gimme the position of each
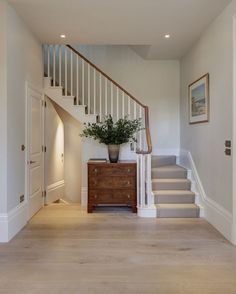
(171, 189)
(89, 94)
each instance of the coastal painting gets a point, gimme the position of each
(199, 100)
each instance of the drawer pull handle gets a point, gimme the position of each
(128, 196)
(128, 183)
(128, 170)
(95, 196)
(95, 170)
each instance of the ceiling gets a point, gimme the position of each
(139, 23)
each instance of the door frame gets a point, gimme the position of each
(32, 87)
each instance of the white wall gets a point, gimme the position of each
(20, 61)
(155, 83)
(24, 63)
(54, 163)
(212, 54)
(73, 169)
(3, 109)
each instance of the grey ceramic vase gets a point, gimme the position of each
(113, 152)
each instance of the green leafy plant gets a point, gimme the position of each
(108, 132)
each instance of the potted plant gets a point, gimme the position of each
(113, 134)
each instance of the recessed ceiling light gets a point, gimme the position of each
(167, 36)
(63, 36)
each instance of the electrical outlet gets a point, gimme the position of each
(228, 144)
(228, 151)
(22, 198)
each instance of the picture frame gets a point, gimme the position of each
(198, 96)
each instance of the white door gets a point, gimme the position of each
(35, 152)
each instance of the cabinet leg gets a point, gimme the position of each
(134, 209)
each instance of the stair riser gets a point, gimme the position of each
(178, 213)
(158, 174)
(161, 161)
(171, 186)
(176, 199)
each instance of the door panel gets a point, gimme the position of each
(35, 156)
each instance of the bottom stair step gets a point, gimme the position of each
(177, 210)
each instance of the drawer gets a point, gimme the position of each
(128, 170)
(111, 197)
(125, 196)
(96, 170)
(124, 182)
(100, 182)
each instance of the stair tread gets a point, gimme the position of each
(68, 96)
(177, 206)
(173, 192)
(171, 180)
(55, 87)
(169, 168)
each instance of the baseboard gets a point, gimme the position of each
(214, 213)
(55, 191)
(84, 196)
(147, 212)
(12, 222)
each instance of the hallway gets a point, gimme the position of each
(65, 250)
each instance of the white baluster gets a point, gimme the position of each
(88, 66)
(150, 200)
(65, 71)
(106, 96)
(129, 106)
(71, 72)
(54, 65)
(140, 132)
(138, 181)
(48, 61)
(60, 65)
(83, 86)
(117, 103)
(142, 180)
(94, 91)
(123, 104)
(100, 96)
(112, 99)
(77, 79)
(135, 110)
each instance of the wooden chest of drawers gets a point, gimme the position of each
(112, 184)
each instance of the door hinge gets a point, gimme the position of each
(44, 103)
(44, 194)
(44, 148)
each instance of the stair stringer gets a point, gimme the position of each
(67, 103)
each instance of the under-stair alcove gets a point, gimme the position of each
(63, 163)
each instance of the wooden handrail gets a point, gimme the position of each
(146, 110)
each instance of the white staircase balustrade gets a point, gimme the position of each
(89, 94)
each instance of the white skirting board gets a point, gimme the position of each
(214, 213)
(12, 222)
(84, 196)
(55, 191)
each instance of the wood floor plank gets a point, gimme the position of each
(65, 250)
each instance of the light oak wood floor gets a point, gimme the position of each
(64, 250)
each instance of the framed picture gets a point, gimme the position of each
(199, 100)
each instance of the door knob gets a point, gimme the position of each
(31, 162)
